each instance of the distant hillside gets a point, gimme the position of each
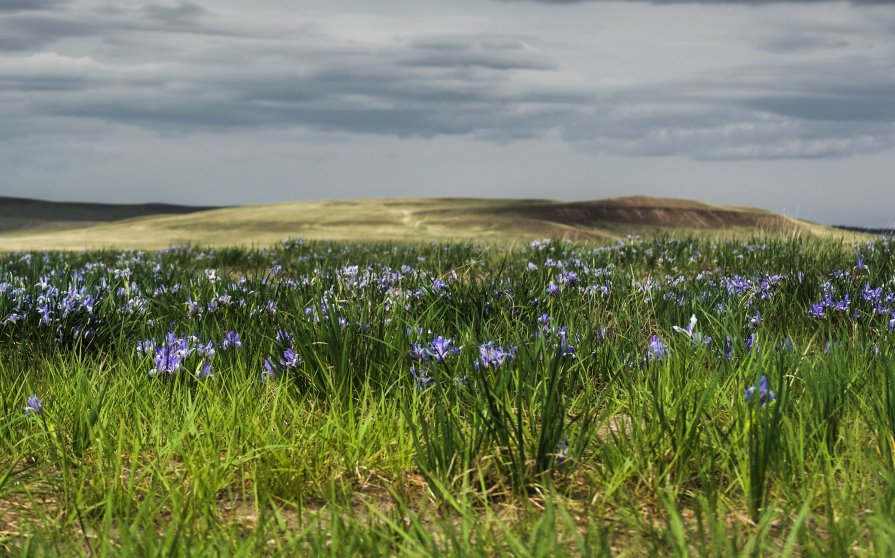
(865, 230)
(28, 214)
(415, 220)
(667, 213)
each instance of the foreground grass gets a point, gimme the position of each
(589, 427)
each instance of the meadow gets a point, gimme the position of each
(655, 396)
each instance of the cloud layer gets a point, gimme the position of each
(183, 67)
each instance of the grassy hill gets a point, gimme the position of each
(18, 214)
(416, 220)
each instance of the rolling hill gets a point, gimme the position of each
(18, 214)
(491, 220)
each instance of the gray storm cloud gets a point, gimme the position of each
(489, 86)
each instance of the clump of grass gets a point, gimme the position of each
(561, 400)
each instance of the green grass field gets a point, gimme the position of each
(450, 399)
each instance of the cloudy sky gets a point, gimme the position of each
(787, 106)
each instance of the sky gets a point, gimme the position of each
(785, 106)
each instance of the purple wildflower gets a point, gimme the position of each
(688, 331)
(569, 278)
(192, 308)
(231, 341)
(441, 348)
(418, 352)
(290, 359)
(494, 357)
(657, 350)
(844, 304)
(15, 318)
(206, 351)
(786, 345)
(269, 372)
(764, 394)
(439, 286)
(818, 310)
(204, 370)
(145, 347)
(285, 338)
(728, 348)
(564, 346)
(755, 320)
(44, 312)
(423, 380)
(34, 407)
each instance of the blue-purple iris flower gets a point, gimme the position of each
(439, 286)
(285, 338)
(764, 394)
(269, 372)
(422, 378)
(192, 308)
(204, 370)
(565, 347)
(690, 331)
(441, 348)
(146, 347)
(569, 278)
(657, 350)
(817, 310)
(231, 341)
(290, 359)
(171, 356)
(34, 407)
(494, 357)
(206, 351)
(755, 320)
(418, 352)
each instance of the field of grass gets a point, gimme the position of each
(416, 220)
(666, 396)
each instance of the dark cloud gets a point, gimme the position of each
(31, 31)
(23, 30)
(471, 52)
(496, 87)
(856, 106)
(371, 94)
(28, 5)
(802, 42)
(181, 13)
